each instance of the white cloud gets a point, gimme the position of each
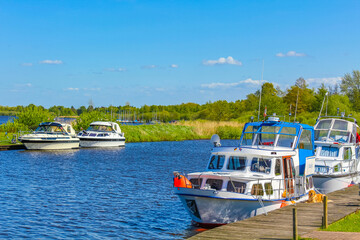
(72, 89)
(149, 66)
(51, 62)
(291, 54)
(26, 64)
(229, 60)
(248, 81)
(174, 66)
(92, 89)
(326, 81)
(115, 69)
(23, 85)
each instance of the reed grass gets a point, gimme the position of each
(205, 129)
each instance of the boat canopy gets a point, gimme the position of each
(57, 124)
(336, 130)
(104, 126)
(277, 134)
(280, 135)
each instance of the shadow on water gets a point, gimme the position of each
(123, 193)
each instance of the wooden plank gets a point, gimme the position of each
(278, 224)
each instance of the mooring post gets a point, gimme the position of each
(325, 216)
(295, 229)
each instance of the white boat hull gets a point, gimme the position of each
(51, 145)
(93, 143)
(328, 184)
(214, 210)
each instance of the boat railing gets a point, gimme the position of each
(265, 188)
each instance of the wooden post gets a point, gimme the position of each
(325, 216)
(295, 229)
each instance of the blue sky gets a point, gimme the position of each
(169, 52)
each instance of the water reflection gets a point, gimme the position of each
(98, 193)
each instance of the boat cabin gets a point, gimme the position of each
(337, 146)
(272, 156)
(104, 127)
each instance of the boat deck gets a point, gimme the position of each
(278, 223)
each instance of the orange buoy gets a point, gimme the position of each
(181, 181)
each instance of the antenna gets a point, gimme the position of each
(262, 75)
(322, 105)
(297, 99)
(327, 101)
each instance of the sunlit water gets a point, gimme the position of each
(5, 119)
(123, 193)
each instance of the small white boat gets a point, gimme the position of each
(337, 154)
(271, 168)
(102, 134)
(51, 136)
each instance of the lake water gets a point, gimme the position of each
(4, 119)
(123, 193)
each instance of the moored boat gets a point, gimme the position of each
(272, 167)
(102, 134)
(51, 136)
(337, 153)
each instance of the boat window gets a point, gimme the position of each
(196, 182)
(247, 139)
(288, 130)
(337, 167)
(324, 124)
(261, 165)
(268, 188)
(217, 162)
(347, 153)
(266, 139)
(215, 183)
(329, 151)
(320, 134)
(80, 133)
(339, 136)
(234, 186)
(92, 134)
(236, 163)
(257, 189)
(85, 134)
(305, 140)
(340, 125)
(278, 167)
(101, 128)
(286, 141)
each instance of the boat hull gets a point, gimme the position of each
(94, 142)
(330, 183)
(207, 210)
(50, 145)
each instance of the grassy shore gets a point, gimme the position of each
(5, 139)
(350, 223)
(182, 130)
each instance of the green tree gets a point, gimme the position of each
(350, 86)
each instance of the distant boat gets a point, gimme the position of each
(51, 136)
(102, 134)
(272, 167)
(337, 163)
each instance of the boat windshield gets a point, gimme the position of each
(100, 128)
(50, 129)
(280, 136)
(335, 130)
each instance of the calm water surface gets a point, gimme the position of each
(123, 193)
(4, 119)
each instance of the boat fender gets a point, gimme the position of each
(181, 181)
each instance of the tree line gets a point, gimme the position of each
(299, 100)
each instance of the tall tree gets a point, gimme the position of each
(350, 86)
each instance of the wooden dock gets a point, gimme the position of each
(12, 147)
(278, 224)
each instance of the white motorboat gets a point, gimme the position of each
(51, 136)
(102, 134)
(272, 167)
(337, 154)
